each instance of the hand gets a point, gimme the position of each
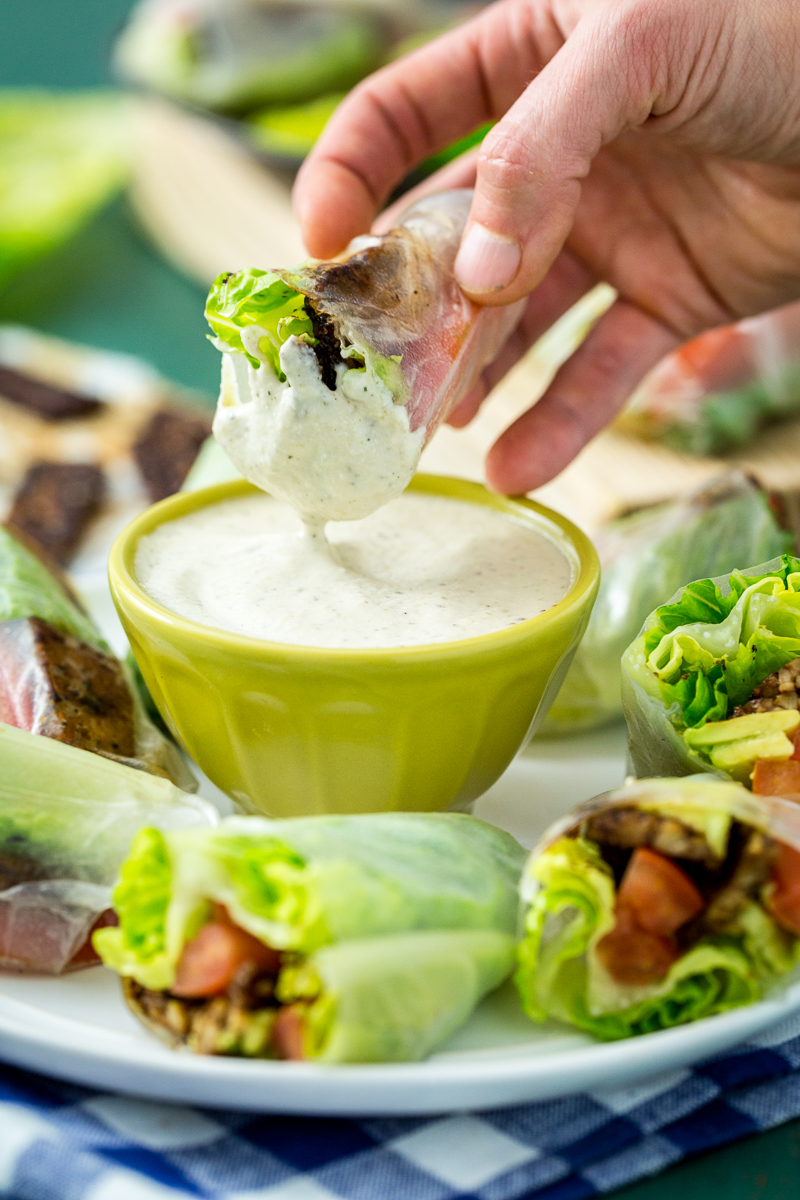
(656, 148)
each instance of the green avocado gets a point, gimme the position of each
(733, 746)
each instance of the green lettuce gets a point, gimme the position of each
(302, 883)
(394, 999)
(702, 654)
(237, 301)
(572, 896)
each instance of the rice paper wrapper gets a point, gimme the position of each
(655, 746)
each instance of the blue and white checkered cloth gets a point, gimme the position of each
(61, 1142)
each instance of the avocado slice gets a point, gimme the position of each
(780, 720)
(738, 758)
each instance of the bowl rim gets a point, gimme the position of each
(570, 539)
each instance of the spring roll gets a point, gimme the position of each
(716, 392)
(664, 902)
(67, 820)
(711, 682)
(233, 929)
(336, 374)
(385, 999)
(58, 677)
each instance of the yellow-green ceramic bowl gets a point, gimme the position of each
(294, 730)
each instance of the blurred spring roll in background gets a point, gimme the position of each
(343, 938)
(59, 679)
(231, 55)
(647, 556)
(664, 902)
(711, 683)
(336, 374)
(718, 390)
(67, 820)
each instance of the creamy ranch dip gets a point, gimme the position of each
(421, 569)
(333, 455)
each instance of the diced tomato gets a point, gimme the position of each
(660, 895)
(210, 961)
(784, 901)
(634, 956)
(87, 956)
(777, 777)
(796, 752)
(288, 1034)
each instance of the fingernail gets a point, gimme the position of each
(486, 261)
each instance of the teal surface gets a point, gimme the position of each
(110, 289)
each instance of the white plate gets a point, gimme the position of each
(78, 1028)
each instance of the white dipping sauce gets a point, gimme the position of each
(421, 569)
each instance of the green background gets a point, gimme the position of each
(111, 289)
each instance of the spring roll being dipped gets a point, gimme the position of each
(363, 938)
(658, 904)
(336, 374)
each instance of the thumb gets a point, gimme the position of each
(603, 80)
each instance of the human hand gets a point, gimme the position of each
(656, 148)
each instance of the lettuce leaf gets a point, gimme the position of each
(703, 654)
(559, 975)
(395, 999)
(255, 297)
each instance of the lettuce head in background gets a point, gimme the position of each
(710, 683)
(63, 155)
(647, 555)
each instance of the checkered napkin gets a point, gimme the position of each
(61, 1142)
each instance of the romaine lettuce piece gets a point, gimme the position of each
(302, 883)
(393, 999)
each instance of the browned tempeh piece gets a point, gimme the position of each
(45, 399)
(631, 827)
(55, 503)
(167, 448)
(57, 686)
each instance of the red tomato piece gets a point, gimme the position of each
(784, 901)
(777, 777)
(632, 955)
(796, 751)
(288, 1034)
(210, 961)
(661, 896)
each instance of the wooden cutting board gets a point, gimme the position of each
(210, 206)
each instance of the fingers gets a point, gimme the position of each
(586, 393)
(565, 283)
(605, 79)
(413, 108)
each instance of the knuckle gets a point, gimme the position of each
(504, 162)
